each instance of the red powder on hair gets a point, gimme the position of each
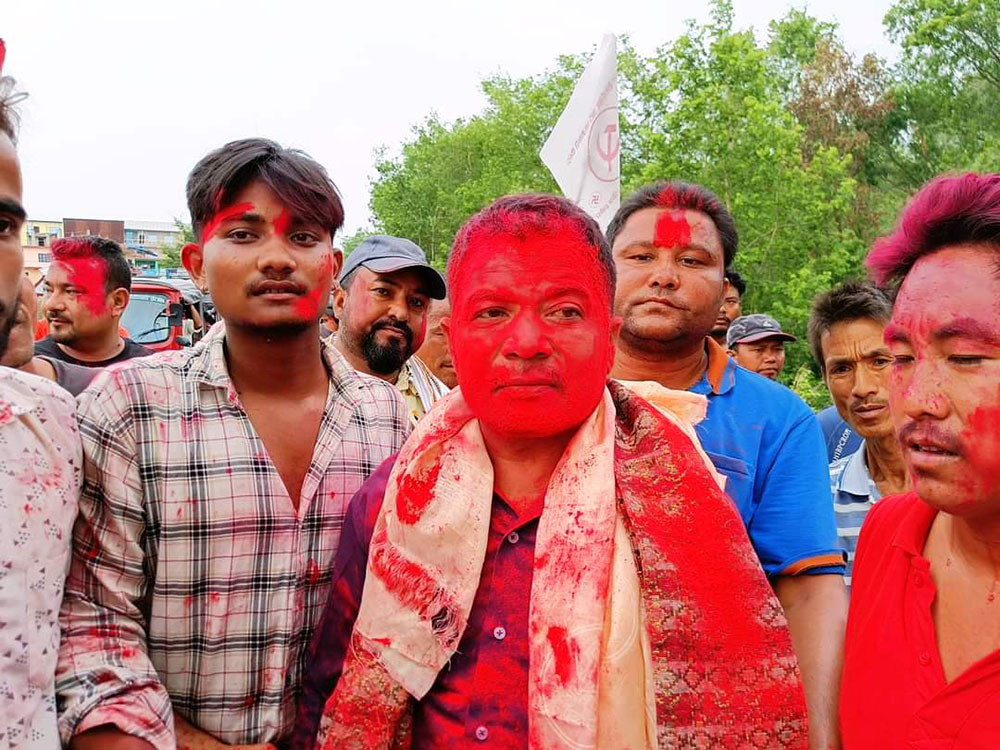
(672, 230)
(89, 274)
(225, 214)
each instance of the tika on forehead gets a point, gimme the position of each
(672, 230)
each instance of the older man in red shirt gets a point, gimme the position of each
(922, 658)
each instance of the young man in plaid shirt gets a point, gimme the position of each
(216, 480)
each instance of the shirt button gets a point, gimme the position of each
(482, 733)
(925, 658)
(499, 633)
(512, 537)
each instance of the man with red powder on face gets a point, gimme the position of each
(549, 562)
(87, 290)
(217, 478)
(922, 659)
(672, 242)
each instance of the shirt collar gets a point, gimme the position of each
(720, 375)
(403, 384)
(208, 362)
(911, 533)
(14, 402)
(856, 479)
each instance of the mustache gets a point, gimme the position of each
(398, 325)
(535, 375)
(928, 432)
(666, 299)
(870, 402)
(62, 319)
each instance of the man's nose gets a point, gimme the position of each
(923, 393)
(527, 339)
(664, 274)
(274, 255)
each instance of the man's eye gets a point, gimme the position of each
(380, 291)
(901, 360)
(881, 362)
(641, 257)
(839, 370)
(966, 359)
(690, 262)
(240, 235)
(304, 238)
(6, 226)
(491, 313)
(569, 313)
(418, 303)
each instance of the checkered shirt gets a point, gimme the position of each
(195, 584)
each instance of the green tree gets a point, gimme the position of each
(170, 256)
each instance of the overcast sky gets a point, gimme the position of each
(125, 96)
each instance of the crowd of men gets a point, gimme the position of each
(555, 498)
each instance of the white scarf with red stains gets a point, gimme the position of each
(604, 653)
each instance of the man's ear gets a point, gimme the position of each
(118, 302)
(339, 302)
(732, 351)
(193, 258)
(336, 263)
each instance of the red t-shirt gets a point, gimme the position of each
(893, 693)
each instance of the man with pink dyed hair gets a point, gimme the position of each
(922, 657)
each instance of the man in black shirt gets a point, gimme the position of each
(86, 291)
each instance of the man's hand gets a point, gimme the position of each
(108, 737)
(189, 738)
(816, 610)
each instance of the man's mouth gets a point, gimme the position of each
(869, 410)
(664, 301)
(278, 289)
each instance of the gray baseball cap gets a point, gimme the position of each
(384, 254)
(749, 328)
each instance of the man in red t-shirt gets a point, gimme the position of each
(922, 658)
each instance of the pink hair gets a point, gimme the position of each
(948, 210)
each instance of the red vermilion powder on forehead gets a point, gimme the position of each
(672, 230)
(229, 212)
(89, 274)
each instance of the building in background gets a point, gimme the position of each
(145, 242)
(36, 239)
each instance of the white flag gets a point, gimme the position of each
(583, 151)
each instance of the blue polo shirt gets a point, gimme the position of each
(767, 442)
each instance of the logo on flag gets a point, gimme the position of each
(583, 151)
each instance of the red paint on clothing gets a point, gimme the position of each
(672, 230)
(416, 488)
(563, 651)
(105, 631)
(223, 215)
(313, 572)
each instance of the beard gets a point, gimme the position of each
(8, 316)
(387, 358)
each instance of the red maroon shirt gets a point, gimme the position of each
(893, 693)
(481, 698)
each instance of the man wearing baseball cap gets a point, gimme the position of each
(385, 290)
(757, 343)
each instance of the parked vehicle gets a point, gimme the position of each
(155, 313)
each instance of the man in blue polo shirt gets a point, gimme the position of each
(672, 242)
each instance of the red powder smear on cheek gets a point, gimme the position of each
(672, 230)
(225, 214)
(416, 488)
(308, 305)
(90, 275)
(982, 441)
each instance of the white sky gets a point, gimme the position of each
(126, 95)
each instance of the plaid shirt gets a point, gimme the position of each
(195, 584)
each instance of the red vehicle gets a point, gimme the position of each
(155, 314)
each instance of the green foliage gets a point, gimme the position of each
(351, 241)
(170, 256)
(813, 149)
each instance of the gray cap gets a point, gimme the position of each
(749, 328)
(384, 254)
